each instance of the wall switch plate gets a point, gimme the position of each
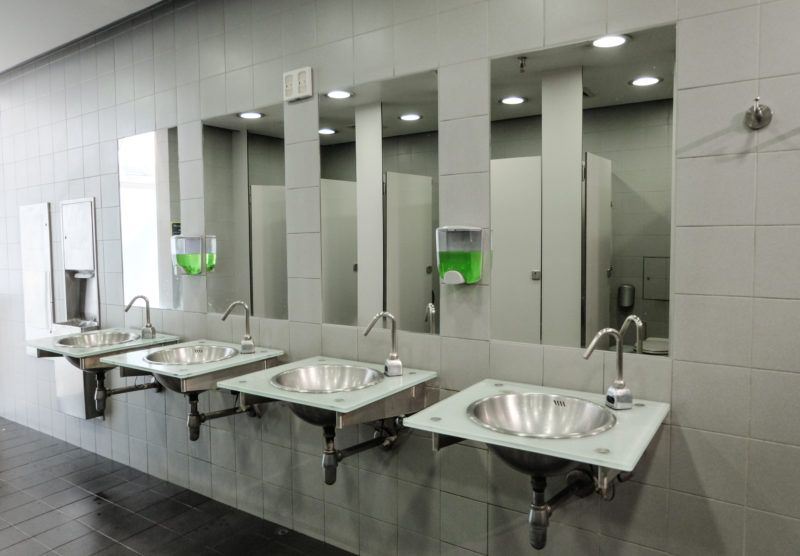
(298, 84)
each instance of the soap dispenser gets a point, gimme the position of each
(459, 254)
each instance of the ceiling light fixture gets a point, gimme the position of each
(410, 117)
(610, 41)
(251, 115)
(339, 94)
(327, 131)
(513, 99)
(645, 81)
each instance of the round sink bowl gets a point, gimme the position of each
(97, 339)
(191, 355)
(538, 415)
(325, 379)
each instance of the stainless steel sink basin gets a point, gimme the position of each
(539, 415)
(325, 379)
(97, 339)
(191, 355)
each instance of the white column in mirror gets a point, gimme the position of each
(598, 244)
(369, 210)
(339, 251)
(516, 205)
(562, 152)
(37, 269)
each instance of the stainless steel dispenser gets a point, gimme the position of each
(78, 241)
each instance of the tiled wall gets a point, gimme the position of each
(718, 479)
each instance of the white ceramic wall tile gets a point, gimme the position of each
(465, 311)
(693, 8)
(709, 120)
(464, 90)
(711, 397)
(714, 260)
(464, 146)
(334, 20)
(573, 20)
(713, 329)
(464, 34)
(464, 199)
(516, 361)
(778, 200)
(777, 38)
(374, 54)
(305, 300)
(767, 486)
(627, 15)
(774, 341)
(303, 255)
(515, 26)
(702, 526)
(564, 367)
(302, 210)
(717, 190)
(369, 15)
(769, 533)
(302, 164)
(334, 65)
(464, 362)
(780, 92)
(413, 43)
(777, 262)
(718, 48)
(773, 407)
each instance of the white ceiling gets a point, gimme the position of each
(32, 27)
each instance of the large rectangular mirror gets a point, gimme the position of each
(379, 202)
(581, 177)
(243, 158)
(149, 203)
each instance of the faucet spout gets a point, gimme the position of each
(148, 332)
(392, 366)
(639, 330)
(248, 346)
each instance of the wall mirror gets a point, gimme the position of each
(150, 213)
(379, 202)
(581, 178)
(243, 165)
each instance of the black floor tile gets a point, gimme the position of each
(68, 496)
(116, 549)
(63, 534)
(242, 543)
(25, 512)
(116, 522)
(186, 546)
(149, 540)
(191, 498)
(106, 482)
(44, 522)
(29, 547)
(164, 510)
(188, 521)
(11, 536)
(120, 491)
(85, 506)
(14, 500)
(141, 500)
(47, 488)
(87, 544)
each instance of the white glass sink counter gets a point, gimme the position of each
(619, 448)
(258, 384)
(48, 346)
(136, 360)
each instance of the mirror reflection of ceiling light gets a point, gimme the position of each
(327, 131)
(251, 115)
(645, 81)
(610, 41)
(411, 117)
(512, 100)
(339, 94)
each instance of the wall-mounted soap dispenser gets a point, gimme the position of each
(78, 244)
(459, 254)
(194, 255)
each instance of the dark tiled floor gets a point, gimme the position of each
(59, 499)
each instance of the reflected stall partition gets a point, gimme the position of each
(243, 158)
(581, 176)
(379, 202)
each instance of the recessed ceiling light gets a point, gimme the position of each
(327, 131)
(339, 94)
(251, 115)
(610, 41)
(645, 81)
(513, 99)
(410, 117)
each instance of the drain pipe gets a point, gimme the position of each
(195, 418)
(101, 393)
(579, 483)
(331, 456)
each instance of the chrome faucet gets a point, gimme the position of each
(148, 332)
(392, 366)
(639, 330)
(618, 395)
(248, 346)
(430, 317)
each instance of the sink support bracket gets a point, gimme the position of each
(196, 418)
(385, 437)
(442, 441)
(101, 393)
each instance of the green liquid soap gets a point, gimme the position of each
(468, 263)
(211, 261)
(190, 263)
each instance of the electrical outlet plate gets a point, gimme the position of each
(298, 84)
